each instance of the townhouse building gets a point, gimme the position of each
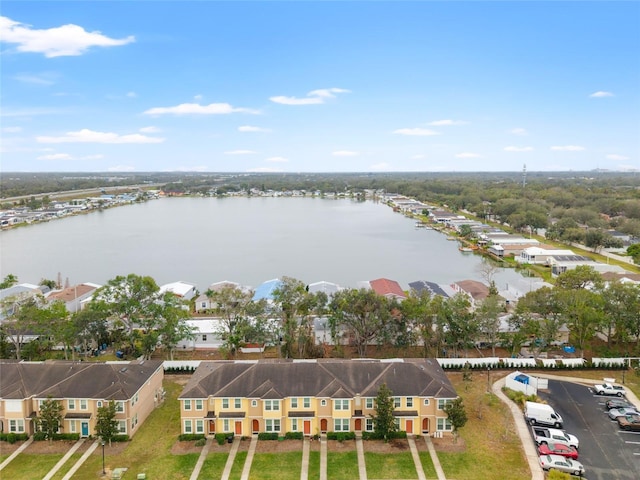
(313, 396)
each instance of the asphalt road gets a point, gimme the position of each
(606, 452)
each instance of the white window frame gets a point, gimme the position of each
(396, 422)
(237, 403)
(272, 425)
(188, 427)
(443, 424)
(84, 404)
(99, 403)
(306, 402)
(368, 424)
(119, 407)
(122, 426)
(341, 424)
(71, 404)
(199, 404)
(397, 402)
(426, 402)
(409, 401)
(225, 403)
(442, 402)
(368, 403)
(226, 425)
(272, 405)
(199, 426)
(323, 403)
(294, 402)
(341, 404)
(254, 403)
(294, 424)
(187, 404)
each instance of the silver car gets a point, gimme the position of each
(622, 412)
(557, 462)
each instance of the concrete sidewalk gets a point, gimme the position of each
(8, 460)
(63, 460)
(323, 457)
(82, 459)
(304, 469)
(230, 459)
(247, 463)
(201, 459)
(434, 458)
(416, 458)
(362, 466)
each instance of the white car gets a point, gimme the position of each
(622, 412)
(609, 389)
(557, 462)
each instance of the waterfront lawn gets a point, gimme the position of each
(238, 466)
(342, 465)
(427, 465)
(276, 466)
(150, 450)
(314, 465)
(213, 465)
(396, 465)
(28, 466)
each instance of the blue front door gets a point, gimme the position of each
(85, 429)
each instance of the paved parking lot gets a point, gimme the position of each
(606, 452)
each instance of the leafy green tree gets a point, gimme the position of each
(584, 315)
(384, 424)
(231, 304)
(9, 281)
(456, 322)
(171, 322)
(634, 252)
(457, 414)
(106, 424)
(465, 230)
(292, 300)
(488, 320)
(622, 310)
(418, 311)
(579, 278)
(50, 417)
(48, 283)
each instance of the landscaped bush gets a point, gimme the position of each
(294, 435)
(120, 438)
(518, 397)
(40, 436)
(222, 437)
(12, 437)
(341, 436)
(201, 442)
(376, 436)
(267, 436)
(187, 437)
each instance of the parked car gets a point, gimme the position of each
(629, 422)
(616, 403)
(609, 389)
(556, 462)
(552, 435)
(621, 412)
(558, 449)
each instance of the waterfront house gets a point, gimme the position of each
(204, 303)
(74, 297)
(476, 291)
(313, 396)
(81, 388)
(205, 336)
(387, 288)
(433, 288)
(183, 290)
(540, 254)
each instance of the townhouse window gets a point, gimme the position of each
(294, 424)
(341, 404)
(341, 425)
(294, 403)
(99, 403)
(272, 425)
(443, 402)
(226, 425)
(237, 403)
(188, 426)
(306, 402)
(71, 404)
(187, 404)
(396, 422)
(368, 425)
(368, 402)
(272, 404)
(16, 426)
(84, 405)
(40, 402)
(323, 403)
(396, 402)
(72, 426)
(225, 403)
(425, 402)
(444, 424)
(134, 421)
(254, 403)
(120, 407)
(199, 405)
(199, 426)
(204, 338)
(409, 402)
(122, 426)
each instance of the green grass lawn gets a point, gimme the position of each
(342, 465)
(71, 461)
(30, 466)
(238, 465)
(397, 465)
(427, 465)
(276, 466)
(213, 465)
(314, 465)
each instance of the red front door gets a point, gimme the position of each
(358, 424)
(425, 425)
(212, 427)
(323, 425)
(238, 428)
(307, 427)
(409, 426)
(255, 426)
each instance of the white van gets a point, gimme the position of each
(542, 414)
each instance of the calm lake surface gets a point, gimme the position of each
(246, 240)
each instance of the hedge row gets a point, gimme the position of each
(40, 436)
(375, 436)
(12, 437)
(556, 366)
(222, 437)
(341, 436)
(187, 437)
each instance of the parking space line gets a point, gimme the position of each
(634, 443)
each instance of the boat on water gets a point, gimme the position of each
(465, 249)
(423, 225)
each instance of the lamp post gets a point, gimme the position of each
(103, 471)
(488, 380)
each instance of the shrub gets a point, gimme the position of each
(187, 437)
(222, 437)
(40, 436)
(294, 436)
(120, 438)
(267, 436)
(12, 437)
(341, 436)
(201, 442)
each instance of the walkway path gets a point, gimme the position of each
(247, 463)
(434, 458)
(63, 460)
(230, 459)
(362, 466)
(304, 470)
(7, 460)
(201, 459)
(323, 457)
(416, 458)
(82, 459)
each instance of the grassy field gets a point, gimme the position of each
(342, 465)
(397, 465)
(276, 466)
(213, 465)
(427, 465)
(71, 461)
(238, 465)
(30, 466)
(314, 465)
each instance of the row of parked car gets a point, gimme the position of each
(623, 412)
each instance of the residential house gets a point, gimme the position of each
(539, 255)
(476, 291)
(265, 290)
(74, 297)
(325, 287)
(185, 291)
(204, 332)
(433, 288)
(11, 298)
(313, 396)
(387, 288)
(204, 303)
(81, 387)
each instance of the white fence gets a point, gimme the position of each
(187, 365)
(621, 362)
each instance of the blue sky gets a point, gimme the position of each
(320, 86)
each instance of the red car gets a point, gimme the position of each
(558, 449)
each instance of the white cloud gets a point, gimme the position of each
(250, 128)
(67, 40)
(197, 109)
(11, 129)
(150, 129)
(56, 156)
(121, 168)
(382, 166)
(518, 131)
(264, 170)
(613, 156)
(418, 157)
(276, 159)
(89, 136)
(36, 79)
(240, 152)
(601, 94)
(420, 132)
(132, 94)
(567, 148)
(314, 97)
(446, 123)
(468, 155)
(345, 153)
(197, 98)
(518, 149)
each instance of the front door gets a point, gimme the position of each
(323, 425)
(307, 427)
(85, 429)
(212, 427)
(358, 424)
(238, 428)
(255, 426)
(409, 426)
(425, 425)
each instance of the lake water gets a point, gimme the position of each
(245, 240)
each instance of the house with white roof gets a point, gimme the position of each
(539, 256)
(184, 290)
